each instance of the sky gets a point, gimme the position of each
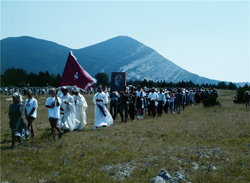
(208, 38)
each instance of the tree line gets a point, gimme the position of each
(20, 78)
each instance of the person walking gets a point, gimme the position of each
(31, 106)
(80, 107)
(113, 104)
(124, 94)
(18, 127)
(140, 94)
(53, 104)
(102, 116)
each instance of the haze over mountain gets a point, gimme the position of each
(119, 54)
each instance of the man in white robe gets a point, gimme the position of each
(68, 114)
(102, 115)
(80, 107)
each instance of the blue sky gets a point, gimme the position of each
(208, 38)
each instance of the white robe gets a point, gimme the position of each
(100, 119)
(80, 107)
(68, 119)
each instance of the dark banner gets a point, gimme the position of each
(118, 80)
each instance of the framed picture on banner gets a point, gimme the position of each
(118, 80)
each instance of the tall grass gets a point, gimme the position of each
(204, 144)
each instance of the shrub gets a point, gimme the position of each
(240, 96)
(211, 100)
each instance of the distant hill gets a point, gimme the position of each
(122, 53)
(33, 55)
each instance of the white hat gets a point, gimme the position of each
(18, 96)
(76, 89)
(64, 88)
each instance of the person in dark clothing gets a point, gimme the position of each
(131, 103)
(113, 104)
(124, 103)
(247, 97)
(18, 127)
(178, 101)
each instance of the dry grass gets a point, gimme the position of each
(215, 140)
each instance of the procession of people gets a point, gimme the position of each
(67, 107)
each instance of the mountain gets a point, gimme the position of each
(33, 55)
(119, 54)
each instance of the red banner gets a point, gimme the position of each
(74, 74)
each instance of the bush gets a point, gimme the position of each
(240, 96)
(211, 100)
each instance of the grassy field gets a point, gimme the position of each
(203, 144)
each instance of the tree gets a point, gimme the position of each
(15, 77)
(232, 86)
(240, 96)
(32, 79)
(102, 79)
(222, 85)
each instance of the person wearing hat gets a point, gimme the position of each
(18, 127)
(68, 114)
(31, 111)
(80, 107)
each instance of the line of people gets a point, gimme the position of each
(64, 112)
(134, 101)
(67, 112)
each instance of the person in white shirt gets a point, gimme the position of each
(53, 105)
(31, 111)
(166, 106)
(153, 97)
(105, 90)
(140, 94)
(68, 119)
(161, 102)
(59, 93)
(80, 107)
(102, 116)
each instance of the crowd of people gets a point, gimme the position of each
(41, 91)
(67, 106)
(66, 111)
(135, 101)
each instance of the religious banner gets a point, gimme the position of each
(74, 74)
(118, 80)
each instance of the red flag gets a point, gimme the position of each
(74, 74)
